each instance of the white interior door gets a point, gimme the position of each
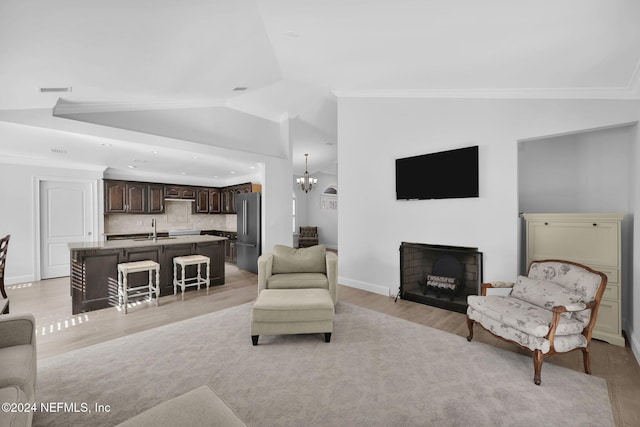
(65, 216)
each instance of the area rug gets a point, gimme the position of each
(377, 370)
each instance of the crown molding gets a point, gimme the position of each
(561, 93)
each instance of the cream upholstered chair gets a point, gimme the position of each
(551, 310)
(290, 268)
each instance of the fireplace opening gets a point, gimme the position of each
(438, 275)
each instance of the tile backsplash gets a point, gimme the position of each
(177, 215)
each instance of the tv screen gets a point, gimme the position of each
(443, 175)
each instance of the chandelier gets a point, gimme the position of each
(306, 183)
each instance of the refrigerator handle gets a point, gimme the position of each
(244, 217)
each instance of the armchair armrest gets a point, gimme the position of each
(265, 266)
(17, 329)
(332, 275)
(496, 285)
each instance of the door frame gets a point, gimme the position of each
(96, 205)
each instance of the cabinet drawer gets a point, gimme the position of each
(612, 293)
(608, 317)
(613, 274)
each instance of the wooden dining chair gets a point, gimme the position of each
(4, 243)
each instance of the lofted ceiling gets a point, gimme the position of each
(202, 89)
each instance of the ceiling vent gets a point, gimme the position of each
(58, 151)
(54, 89)
(240, 88)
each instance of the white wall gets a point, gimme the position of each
(17, 217)
(309, 211)
(373, 132)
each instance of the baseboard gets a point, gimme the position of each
(634, 342)
(365, 286)
(15, 280)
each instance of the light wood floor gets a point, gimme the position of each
(58, 331)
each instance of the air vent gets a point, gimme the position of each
(240, 88)
(54, 89)
(59, 151)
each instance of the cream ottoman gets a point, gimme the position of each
(292, 311)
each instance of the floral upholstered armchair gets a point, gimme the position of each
(551, 310)
(308, 237)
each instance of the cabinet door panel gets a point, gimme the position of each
(585, 243)
(136, 197)
(202, 201)
(155, 198)
(115, 195)
(214, 201)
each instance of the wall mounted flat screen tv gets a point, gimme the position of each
(443, 175)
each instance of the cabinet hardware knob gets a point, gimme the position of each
(546, 223)
(595, 225)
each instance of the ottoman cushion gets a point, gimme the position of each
(292, 305)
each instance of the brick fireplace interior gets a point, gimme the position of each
(441, 276)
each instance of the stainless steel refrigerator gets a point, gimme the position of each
(248, 243)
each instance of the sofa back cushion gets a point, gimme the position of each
(302, 260)
(568, 275)
(544, 293)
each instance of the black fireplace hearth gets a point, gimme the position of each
(441, 276)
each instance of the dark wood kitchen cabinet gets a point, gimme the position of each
(133, 197)
(155, 201)
(208, 200)
(179, 192)
(125, 197)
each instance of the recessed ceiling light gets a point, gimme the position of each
(131, 167)
(195, 157)
(293, 34)
(106, 144)
(252, 167)
(154, 151)
(183, 173)
(232, 172)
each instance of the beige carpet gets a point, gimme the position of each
(377, 370)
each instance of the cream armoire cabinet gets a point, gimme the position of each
(590, 239)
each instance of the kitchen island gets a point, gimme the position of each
(94, 272)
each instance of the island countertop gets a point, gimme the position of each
(143, 242)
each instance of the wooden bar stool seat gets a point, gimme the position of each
(183, 281)
(124, 290)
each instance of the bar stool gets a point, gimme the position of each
(134, 267)
(183, 282)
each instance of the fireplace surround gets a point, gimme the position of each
(439, 275)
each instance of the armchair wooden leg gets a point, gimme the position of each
(470, 325)
(537, 366)
(586, 358)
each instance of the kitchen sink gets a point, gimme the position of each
(144, 239)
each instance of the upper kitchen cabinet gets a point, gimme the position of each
(125, 197)
(133, 197)
(228, 195)
(155, 199)
(179, 192)
(208, 200)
